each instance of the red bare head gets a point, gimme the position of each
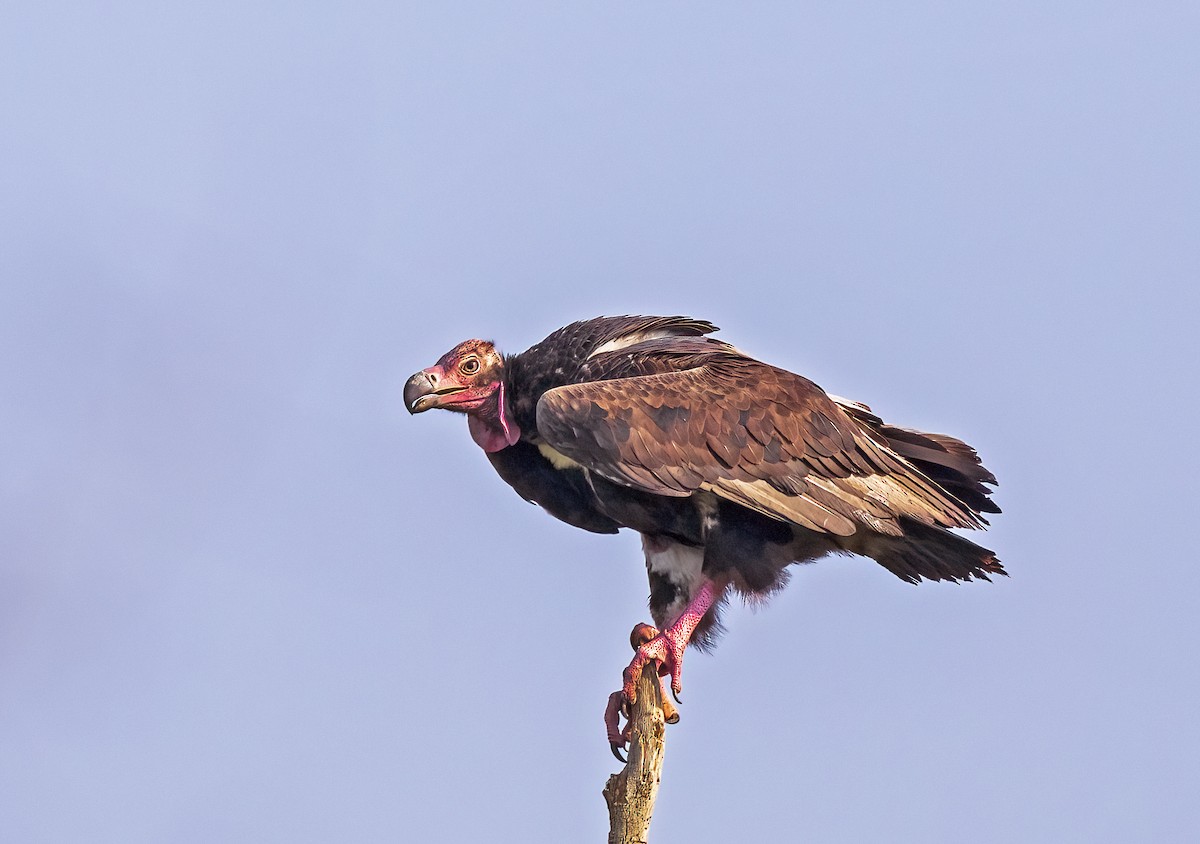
(468, 379)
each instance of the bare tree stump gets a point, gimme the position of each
(630, 794)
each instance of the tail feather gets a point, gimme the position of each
(928, 552)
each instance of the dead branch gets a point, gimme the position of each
(630, 794)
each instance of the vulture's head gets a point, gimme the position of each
(468, 379)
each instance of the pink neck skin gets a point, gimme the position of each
(492, 434)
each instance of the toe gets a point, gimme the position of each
(612, 719)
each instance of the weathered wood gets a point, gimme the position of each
(630, 794)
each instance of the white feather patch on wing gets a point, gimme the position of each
(850, 403)
(887, 496)
(873, 511)
(769, 501)
(630, 340)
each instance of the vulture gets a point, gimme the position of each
(730, 469)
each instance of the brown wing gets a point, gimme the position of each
(947, 461)
(762, 437)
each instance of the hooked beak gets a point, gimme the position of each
(424, 391)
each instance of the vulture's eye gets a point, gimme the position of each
(469, 366)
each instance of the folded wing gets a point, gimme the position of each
(753, 434)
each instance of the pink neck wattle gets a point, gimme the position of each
(494, 434)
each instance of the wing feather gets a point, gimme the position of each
(751, 433)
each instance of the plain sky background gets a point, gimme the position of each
(244, 597)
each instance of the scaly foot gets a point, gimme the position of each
(665, 650)
(618, 708)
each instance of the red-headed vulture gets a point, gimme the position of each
(731, 469)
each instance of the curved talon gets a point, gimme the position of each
(670, 713)
(616, 751)
(675, 695)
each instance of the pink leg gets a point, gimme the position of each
(666, 649)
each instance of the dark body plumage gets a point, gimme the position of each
(732, 469)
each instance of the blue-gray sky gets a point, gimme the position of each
(244, 597)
